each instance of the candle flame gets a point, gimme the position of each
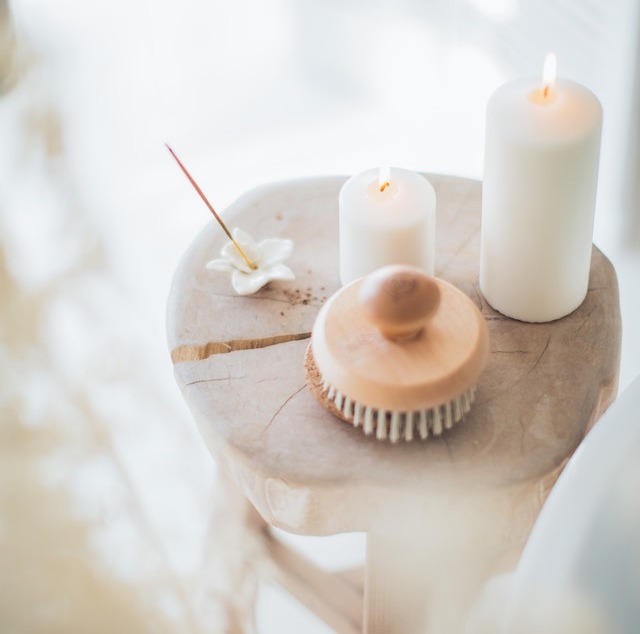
(549, 73)
(383, 178)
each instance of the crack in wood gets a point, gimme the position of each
(217, 379)
(523, 427)
(498, 395)
(287, 400)
(516, 351)
(204, 351)
(537, 363)
(584, 322)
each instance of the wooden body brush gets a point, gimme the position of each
(397, 353)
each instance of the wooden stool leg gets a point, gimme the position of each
(232, 562)
(395, 582)
(424, 571)
(330, 596)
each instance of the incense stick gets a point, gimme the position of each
(195, 185)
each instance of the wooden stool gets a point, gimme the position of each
(441, 516)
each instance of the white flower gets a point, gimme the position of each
(267, 256)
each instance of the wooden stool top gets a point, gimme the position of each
(238, 361)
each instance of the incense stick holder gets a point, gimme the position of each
(267, 257)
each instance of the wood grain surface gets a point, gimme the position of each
(239, 363)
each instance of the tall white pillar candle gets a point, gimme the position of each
(386, 219)
(540, 174)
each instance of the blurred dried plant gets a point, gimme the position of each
(78, 550)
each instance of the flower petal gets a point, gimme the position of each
(247, 283)
(242, 237)
(231, 253)
(274, 250)
(220, 264)
(280, 272)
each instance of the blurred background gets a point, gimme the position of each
(106, 490)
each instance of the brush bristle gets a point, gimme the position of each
(395, 425)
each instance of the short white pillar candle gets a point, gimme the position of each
(540, 176)
(386, 218)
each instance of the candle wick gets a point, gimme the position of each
(195, 185)
(384, 186)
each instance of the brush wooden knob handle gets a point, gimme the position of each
(399, 300)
